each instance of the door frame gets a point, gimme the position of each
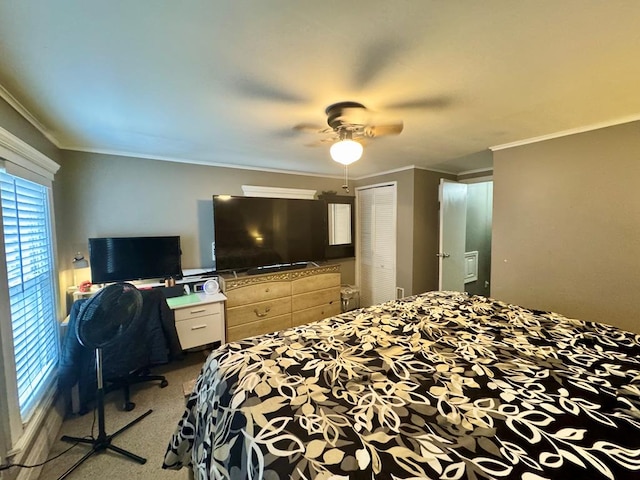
(468, 181)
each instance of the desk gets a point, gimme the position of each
(199, 318)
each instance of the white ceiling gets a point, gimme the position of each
(225, 82)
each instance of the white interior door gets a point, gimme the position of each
(453, 222)
(376, 255)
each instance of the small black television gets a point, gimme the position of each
(119, 259)
(254, 232)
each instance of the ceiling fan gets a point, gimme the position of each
(350, 125)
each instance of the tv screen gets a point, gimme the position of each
(252, 232)
(119, 259)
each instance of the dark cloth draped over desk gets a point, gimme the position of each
(151, 340)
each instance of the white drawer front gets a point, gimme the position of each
(197, 310)
(199, 331)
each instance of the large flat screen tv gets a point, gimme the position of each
(119, 259)
(251, 232)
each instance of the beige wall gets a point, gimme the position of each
(109, 195)
(566, 225)
(426, 226)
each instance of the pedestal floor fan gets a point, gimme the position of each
(103, 319)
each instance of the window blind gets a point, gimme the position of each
(29, 263)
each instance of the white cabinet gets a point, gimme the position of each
(199, 319)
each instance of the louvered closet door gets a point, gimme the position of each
(377, 244)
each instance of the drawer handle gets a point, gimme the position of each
(198, 311)
(267, 290)
(266, 311)
(198, 327)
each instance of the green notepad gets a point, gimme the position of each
(183, 300)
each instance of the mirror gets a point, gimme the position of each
(340, 223)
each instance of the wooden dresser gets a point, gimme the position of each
(258, 304)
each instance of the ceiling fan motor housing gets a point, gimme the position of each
(335, 113)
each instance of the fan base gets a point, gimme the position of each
(102, 443)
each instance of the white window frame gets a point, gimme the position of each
(21, 160)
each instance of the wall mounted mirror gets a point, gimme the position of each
(340, 223)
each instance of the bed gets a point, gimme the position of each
(442, 385)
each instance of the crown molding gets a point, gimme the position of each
(240, 167)
(478, 170)
(417, 167)
(566, 133)
(195, 162)
(27, 115)
(402, 169)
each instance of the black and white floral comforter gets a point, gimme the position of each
(437, 386)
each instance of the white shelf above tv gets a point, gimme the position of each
(277, 192)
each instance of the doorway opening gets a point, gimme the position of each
(465, 236)
(478, 238)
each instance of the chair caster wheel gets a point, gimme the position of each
(163, 383)
(128, 406)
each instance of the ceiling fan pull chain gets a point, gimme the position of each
(345, 187)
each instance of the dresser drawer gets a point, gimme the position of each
(199, 331)
(258, 328)
(257, 293)
(315, 282)
(198, 310)
(314, 314)
(258, 311)
(312, 299)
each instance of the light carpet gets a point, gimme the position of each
(148, 438)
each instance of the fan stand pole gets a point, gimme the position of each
(102, 441)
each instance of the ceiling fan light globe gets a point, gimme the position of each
(346, 151)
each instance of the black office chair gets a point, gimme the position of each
(128, 362)
(103, 320)
(124, 382)
(152, 340)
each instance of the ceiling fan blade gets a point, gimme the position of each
(262, 91)
(284, 133)
(308, 127)
(431, 103)
(355, 116)
(322, 141)
(372, 131)
(376, 58)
